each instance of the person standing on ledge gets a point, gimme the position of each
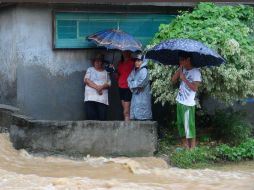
(125, 66)
(97, 82)
(139, 85)
(190, 80)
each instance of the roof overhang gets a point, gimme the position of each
(188, 4)
(135, 2)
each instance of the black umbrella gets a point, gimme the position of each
(167, 53)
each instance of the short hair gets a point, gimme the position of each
(99, 57)
(184, 55)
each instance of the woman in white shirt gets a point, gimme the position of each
(97, 82)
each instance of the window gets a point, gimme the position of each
(71, 29)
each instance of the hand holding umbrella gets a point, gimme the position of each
(188, 54)
(181, 75)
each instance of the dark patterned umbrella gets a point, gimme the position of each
(115, 39)
(167, 53)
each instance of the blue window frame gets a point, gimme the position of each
(71, 28)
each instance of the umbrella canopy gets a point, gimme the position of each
(167, 53)
(115, 39)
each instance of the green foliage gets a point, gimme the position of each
(231, 127)
(189, 158)
(165, 145)
(226, 29)
(242, 152)
(207, 155)
(168, 137)
(204, 119)
(204, 138)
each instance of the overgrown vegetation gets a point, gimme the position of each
(212, 154)
(230, 127)
(226, 29)
(227, 139)
(226, 134)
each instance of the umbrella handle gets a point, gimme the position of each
(113, 57)
(113, 61)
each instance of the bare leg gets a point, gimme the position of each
(122, 102)
(188, 143)
(192, 143)
(126, 110)
(185, 143)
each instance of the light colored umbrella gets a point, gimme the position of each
(115, 39)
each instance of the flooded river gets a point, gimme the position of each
(20, 170)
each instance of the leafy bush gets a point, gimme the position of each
(226, 29)
(205, 155)
(205, 138)
(242, 152)
(231, 127)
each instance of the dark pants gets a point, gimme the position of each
(96, 111)
(125, 94)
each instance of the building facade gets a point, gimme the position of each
(44, 53)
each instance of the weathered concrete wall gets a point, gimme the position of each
(79, 138)
(44, 83)
(50, 82)
(45, 96)
(96, 138)
(6, 112)
(7, 56)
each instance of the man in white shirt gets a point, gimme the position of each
(190, 79)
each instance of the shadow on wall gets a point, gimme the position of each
(115, 109)
(44, 96)
(8, 91)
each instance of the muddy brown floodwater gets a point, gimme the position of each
(20, 170)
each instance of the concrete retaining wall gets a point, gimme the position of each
(96, 138)
(79, 138)
(6, 112)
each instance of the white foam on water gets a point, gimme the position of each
(20, 170)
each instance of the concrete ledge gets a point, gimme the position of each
(6, 112)
(96, 138)
(8, 108)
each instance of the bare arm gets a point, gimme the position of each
(91, 83)
(105, 86)
(176, 75)
(99, 88)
